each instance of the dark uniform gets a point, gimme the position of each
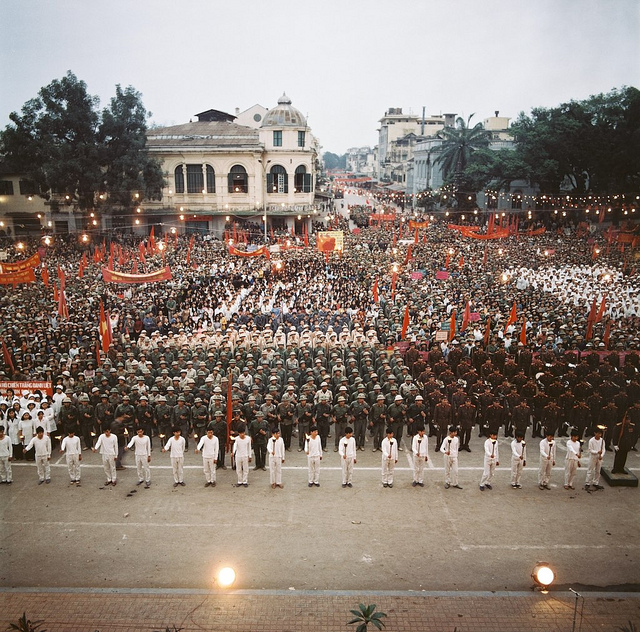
(259, 431)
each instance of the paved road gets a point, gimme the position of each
(327, 538)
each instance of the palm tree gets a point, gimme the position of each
(458, 145)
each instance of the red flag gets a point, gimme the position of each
(394, 238)
(408, 257)
(600, 314)
(393, 287)
(55, 293)
(63, 309)
(601, 217)
(152, 241)
(590, 320)
(607, 334)
(466, 317)
(7, 357)
(415, 237)
(45, 276)
(229, 409)
(84, 260)
(487, 331)
(461, 262)
(446, 262)
(405, 322)
(452, 326)
(512, 316)
(110, 262)
(376, 298)
(134, 269)
(104, 330)
(523, 332)
(491, 224)
(61, 276)
(80, 271)
(424, 238)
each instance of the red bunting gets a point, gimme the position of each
(405, 322)
(466, 317)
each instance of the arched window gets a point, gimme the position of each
(516, 200)
(211, 180)
(238, 181)
(195, 179)
(277, 180)
(302, 180)
(178, 176)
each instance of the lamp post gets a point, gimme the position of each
(264, 194)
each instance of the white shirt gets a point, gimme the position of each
(108, 446)
(573, 450)
(71, 445)
(313, 447)
(42, 446)
(517, 449)
(175, 447)
(242, 447)
(347, 447)
(491, 449)
(420, 445)
(389, 449)
(595, 446)
(143, 445)
(275, 447)
(450, 444)
(209, 447)
(6, 449)
(548, 450)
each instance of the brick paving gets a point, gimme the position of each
(315, 612)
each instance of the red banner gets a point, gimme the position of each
(379, 217)
(19, 266)
(413, 224)
(263, 250)
(25, 276)
(110, 276)
(498, 234)
(22, 388)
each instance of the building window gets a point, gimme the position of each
(238, 181)
(28, 188)
(277, 138)
(195, 179)
(178, 177)
(211, 180)
(516, 200)
(6, 187)
(301, 139)
(302, 180)
(277, 180)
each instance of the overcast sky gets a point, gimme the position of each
(342, 62)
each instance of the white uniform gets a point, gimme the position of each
(72, 448)
(210, 449)
(547, 459)
(108, 448)
(518, 457)
(313, 449)
(142, 454)
(176, 447)
(491, 459)
(450, 445)
(347, 452)
(6, 453)
(242, 453)
(275, 450)
(43, 454)
(420, 450)
(571, 462)
(596, 452)
(389, 449)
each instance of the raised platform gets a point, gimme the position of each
(619, 480)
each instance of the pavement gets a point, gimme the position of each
(100, 557)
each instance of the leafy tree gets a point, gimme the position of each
(62, 144)
(333, 161)
(122, 139)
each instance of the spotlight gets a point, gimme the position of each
(543, 575)
(226, 577)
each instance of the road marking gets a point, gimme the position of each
(517, 547)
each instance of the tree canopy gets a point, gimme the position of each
(66, 147)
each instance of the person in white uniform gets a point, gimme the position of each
(275, 452)
(6, 456)
(491, 460)
(596, 450)
(420, 450)
(107, 444)
(450, 447)
(572, 459)
(142, 444)
(347, 452)
(72, 449)
(176, 446)
(518, 459)
(389, 447)
(209, 445)
(42, 446)
(547, 460)
(313, 450)
(242, 455)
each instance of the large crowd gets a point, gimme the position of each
(298, 340)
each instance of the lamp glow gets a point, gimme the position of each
(543, 575)
(226, 577)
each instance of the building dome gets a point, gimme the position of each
(284, 115)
